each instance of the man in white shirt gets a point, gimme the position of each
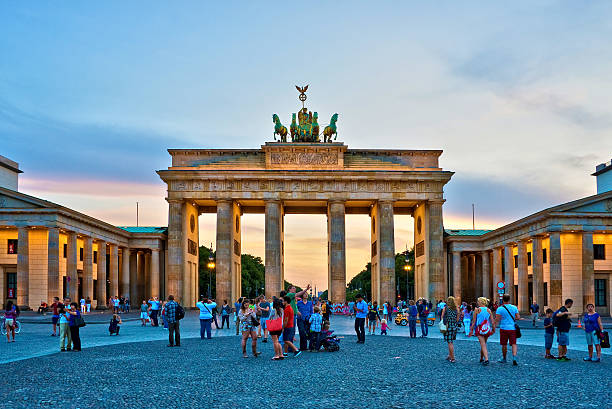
(206, 306)
(506, 316)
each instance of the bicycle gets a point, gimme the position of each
(3, 324)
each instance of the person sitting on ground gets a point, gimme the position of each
(115, 322)
(44, 307)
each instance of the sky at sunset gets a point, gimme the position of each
(516, 94)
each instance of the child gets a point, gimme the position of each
(384, 327)
(144, 313)
(113, 328)
(549, 333)
(316, 321)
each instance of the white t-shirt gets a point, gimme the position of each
(82, 301)
(507, 321)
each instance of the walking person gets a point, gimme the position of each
(246, 316)
(467, 319)
(592, 328)
(449, 317)
(423, 309)
(483, 328)
(534, 309)
(265, 308)
(562, 321)
(225, 314)
(144, 313)
(305, 310)
(55, 317)
(214, 315)
(361, 312)
(88, 304)
(275, 314)
(10, 316)
(413, 312)
(64, 321)
(206, 307)
(373, 318)
(506, 317)
(289, 327)
(174, 331)
(237, 306)
(154, 304)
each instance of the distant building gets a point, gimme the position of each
(48, 250)
(558, 253)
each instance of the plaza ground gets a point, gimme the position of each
(136, 369)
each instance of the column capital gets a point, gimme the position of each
(155, 249)
(436, 201)
(175, 201)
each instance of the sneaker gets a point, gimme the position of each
(514, 363)
(596, 360)
(264, 340)
(485, 363)
(285, 355)
(587, 359)
(502, 360)
(297, 353)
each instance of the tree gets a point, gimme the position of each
(288, 284)
(206, 276)
(253, 275)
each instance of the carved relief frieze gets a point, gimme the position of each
(304, 158)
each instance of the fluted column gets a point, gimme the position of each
(140, 278)
(556, 275)
(336, 252)
(176, 249)
(523, 280)
(457, 275)
(486, 270)
(23, 268)
(471, 277)
(497, 269)
(588, 270)
(478, 277)
(147, 275)
(53, 259)
(133, 275)
(71, 267)
(124, 287)
(435, 233)
(274, 251)
(114, 270)
(223, 266)
(155, 273)
(87, 267)
(537, 268)
(387, 253)
(101, 281)
(509, 271)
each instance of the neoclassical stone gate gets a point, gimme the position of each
(297, 178)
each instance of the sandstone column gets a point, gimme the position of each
(87, 267)
(101, 280)
(155, 273)
(457, 275)
(124, 290)
(555, 287)
(478, 276)
(133, 276)
(386, 260)
(471, 281)
(224, 251)
(537, 268)
(523, 281)
(23, 268)
(509, 271)
(588, 270)
(274, 253)
(497, 269)
(71, 267)
(486, 282)
(336, 252)
(147, 274)
(435, 233)
(465, 292)
(375, 259)
(176, 250)
(53, 258)
(140, 279)
(114, 270)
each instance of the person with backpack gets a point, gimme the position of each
(562, 321)
(173, 312)
(483, 328)
(412, 318)
(206, 307)
(506, 317)
(592, 328)
(423, 309)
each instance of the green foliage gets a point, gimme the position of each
(206, 276)
(253, 278)
(288, 284)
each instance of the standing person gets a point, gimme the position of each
(483, 328)
(237, 306)
(214, 314)
(324, 311)
(506, 317)
(116, 305)
(174, 331)
(549, 333)
(246, 315)
(386, 311)
(361, 312)
(384, 327)
(315, 322)
(467, 319)
(289, 327)
(277, 311)
(65, 339)
(373, 318)
(206, 307)
(534, 309)
(562, 321)
(10, 315)
(127, 304)
(144, 313)
(423, 309)
(265, 308)
(74, 328)
(88, 304)
(225, 313)
(305, 310)
(412, 318)
(83, 306)
(154, 303)
(55, 316)
(592, 327)
(449, 316)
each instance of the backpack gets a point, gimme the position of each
(484, 328)
(556, 321)
(180, 312)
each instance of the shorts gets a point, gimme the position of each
(276, 333)
(288, 334)
(262, 321)
(54, 319)
(548, 340)
(507, 336)
(592, 338)
(563, 338)
(144, 315)
(9, 322)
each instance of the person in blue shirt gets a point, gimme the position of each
(305, 309)
(549, 333)
(506, 316)
(154, 303)
(225, 313)
(206, 307)
(361, 312)
(412, 318)
(237, 306)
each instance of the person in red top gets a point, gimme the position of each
(288, 328)
(55, 307)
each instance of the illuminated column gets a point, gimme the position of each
(274, 248)
(588, 270)
(509, 271)
(155, 273)
(486, 270)
(114, 270)
(472, 276)
(336, 252)
(140, 278)
(523, 281)
(435, 250)
(133, 275)
(23, 268)
(457, 275)
(176, 248)
(497, 268)
(125, 272)
(101, 282)
(537, 267)
(53, 258)
(87, 267)
(71, 267)
(556, 274)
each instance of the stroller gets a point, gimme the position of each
(330, 342)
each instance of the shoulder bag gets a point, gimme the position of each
(442, 326)
(275, 324)
(517, 329)
(79, 321)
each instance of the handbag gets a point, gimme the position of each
(517, 329)
(255, 322)
(604, 339)
(79, 321)
(275, 325)
(442, 327)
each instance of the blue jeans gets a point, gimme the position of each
(205, 327)
(303, 328)
(424, 328)
(412, 324)
(315, 341)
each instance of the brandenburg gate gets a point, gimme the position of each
(306, 175)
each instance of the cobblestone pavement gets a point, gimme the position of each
(388, 372)
(35, 340)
